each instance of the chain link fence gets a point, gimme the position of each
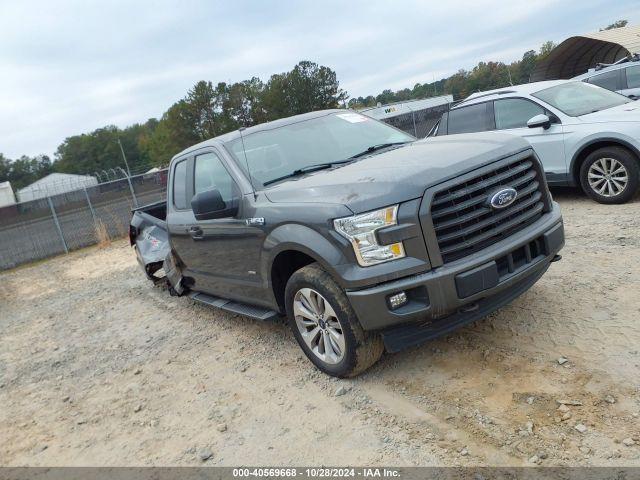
(416, 117)
(56, 224)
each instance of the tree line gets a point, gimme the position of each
(208, 110)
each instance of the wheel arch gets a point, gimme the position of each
(591, 146)
(293, 247)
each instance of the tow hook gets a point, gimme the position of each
(556, 258)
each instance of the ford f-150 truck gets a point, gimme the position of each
(363, 237)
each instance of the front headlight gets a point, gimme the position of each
(360, 230)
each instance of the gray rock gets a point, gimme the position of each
(464, 452)
(340, 391)
(205, 454)
(535, 459)
(137, 371)
(530, 400)
(66, 398)
(529, 427)
(610, 399)
(563, 408)
(562, 360)
(137, 408)
(221, 427)
(580, 427)
(628, 442)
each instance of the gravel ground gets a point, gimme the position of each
(98, 367)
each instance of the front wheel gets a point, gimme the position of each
(610, 175)
(325, 325)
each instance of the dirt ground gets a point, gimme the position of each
(98, 367)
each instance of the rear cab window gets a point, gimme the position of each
(180, 185)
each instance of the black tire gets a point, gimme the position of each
(363, 349)
(627, 159)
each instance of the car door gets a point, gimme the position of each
(631, 82)
(222, 254)
(511, 116)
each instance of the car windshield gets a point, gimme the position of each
(579, 98)
(279, 152)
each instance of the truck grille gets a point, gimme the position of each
(464, 223)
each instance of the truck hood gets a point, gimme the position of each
(397, 175)
(628, 112)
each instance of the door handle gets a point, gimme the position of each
(196, 233)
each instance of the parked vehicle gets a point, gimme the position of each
(622, 77)
(583, 134)
(362, 236)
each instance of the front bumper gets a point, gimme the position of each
(466, 289)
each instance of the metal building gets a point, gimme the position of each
(577, 54)
(6, 194)
(55, 184)
(414, 116)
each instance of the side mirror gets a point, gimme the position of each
(539, 121)
(209, 204)
(633, 97)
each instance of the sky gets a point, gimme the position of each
(69, 67)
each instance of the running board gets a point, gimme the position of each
(259, 313)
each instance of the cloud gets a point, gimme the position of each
(70, 67)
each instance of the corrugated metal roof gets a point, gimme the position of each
(400, 108)
(577, 54)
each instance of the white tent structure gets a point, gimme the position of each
(55, 184)
(6, 194)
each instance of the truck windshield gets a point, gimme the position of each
(279, 152)
(579, 98)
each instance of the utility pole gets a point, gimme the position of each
(124, 157)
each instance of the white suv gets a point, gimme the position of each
(622, 77)
(583, 134)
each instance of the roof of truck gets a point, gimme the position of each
(220, 139)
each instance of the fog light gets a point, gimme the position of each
(397, 300)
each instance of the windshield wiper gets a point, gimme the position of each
(373, 148)
(307, 169)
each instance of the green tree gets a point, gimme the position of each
(616, 24)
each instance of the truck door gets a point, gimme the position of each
(223, 253)
(511, 116)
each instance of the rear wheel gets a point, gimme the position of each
(610, 175)
(326, 326)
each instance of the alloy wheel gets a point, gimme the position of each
(318, 325)
(608, 177)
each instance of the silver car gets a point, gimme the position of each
(622, 77)
(584, 135)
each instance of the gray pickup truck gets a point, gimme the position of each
(364, 238)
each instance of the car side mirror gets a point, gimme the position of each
(632, 96)
(209, 204)
(539, 121)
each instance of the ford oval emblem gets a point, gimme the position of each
(503, 197)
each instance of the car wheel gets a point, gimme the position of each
(325, 325)
(610, 175)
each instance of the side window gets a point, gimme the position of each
(608, 80)
(514, 112)
(180, 185)
(211, 173)
(473, 118)
(633, 76)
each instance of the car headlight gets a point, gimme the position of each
(360, 230)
